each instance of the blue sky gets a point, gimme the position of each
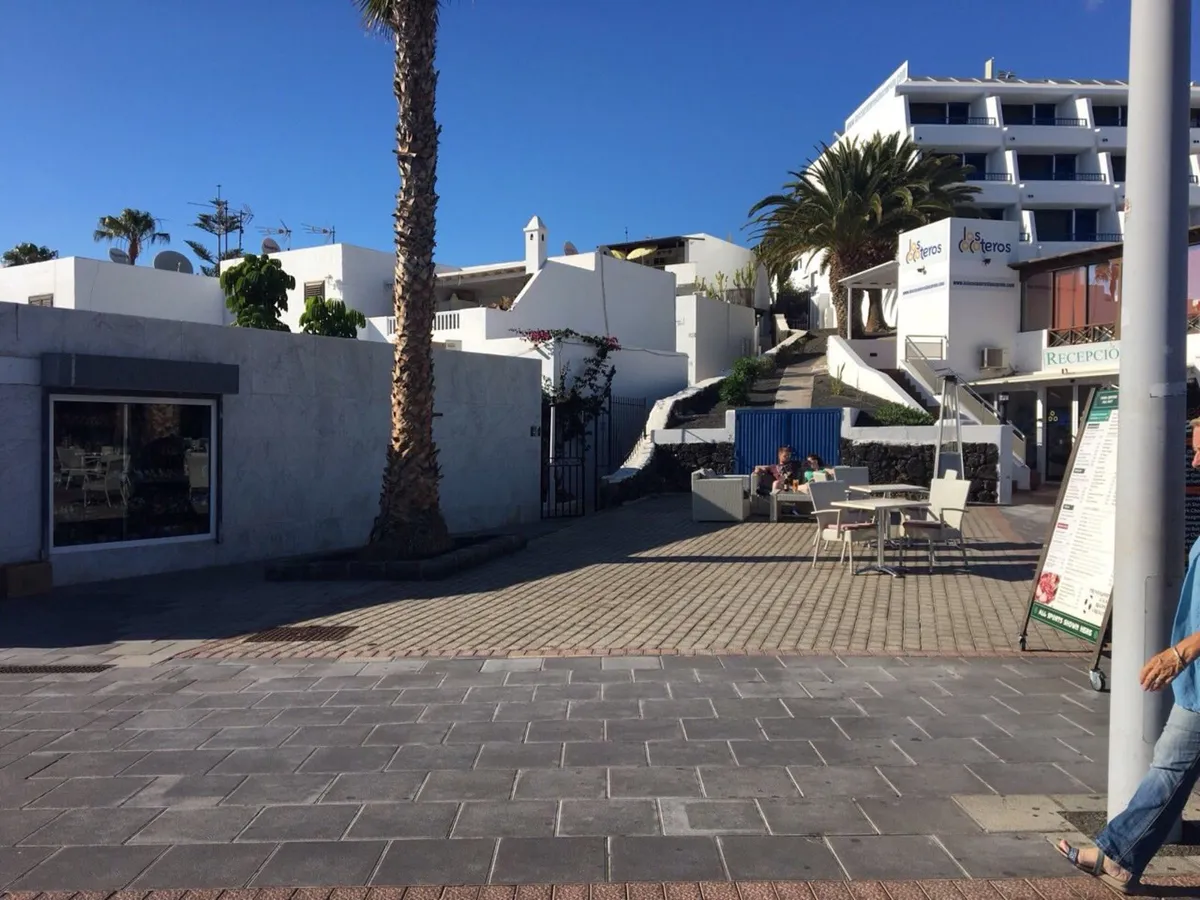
(657, 117)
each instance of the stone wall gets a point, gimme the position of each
(670, 471)
(913, 464)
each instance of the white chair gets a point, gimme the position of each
(71, 464)
(855, 476)
(943, 520)
(841, 526)
(108, 478)
(719, 498)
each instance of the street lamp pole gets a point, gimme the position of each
(1148, 568)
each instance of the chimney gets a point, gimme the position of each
(535, 245)
(989, 69)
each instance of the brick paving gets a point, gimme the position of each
(640, 580)
(634, 770)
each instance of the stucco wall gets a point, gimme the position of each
(303, 445)
(713, 334)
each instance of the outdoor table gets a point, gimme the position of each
(880, 506)
(886, 490)
(779, 498)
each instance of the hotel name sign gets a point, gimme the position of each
(1081, 357)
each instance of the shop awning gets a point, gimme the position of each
(1033, 378)
(880, 277)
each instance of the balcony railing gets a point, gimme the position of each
(1065, 176)
(1080, 237)
(989, 176)
(1060, 121)
(445, 321)
(956, 120)
(1084, 334)
(1193, 324)
(1025, 237)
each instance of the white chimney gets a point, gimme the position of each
(989, 69)
(535, 245)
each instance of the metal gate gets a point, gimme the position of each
(758, 434)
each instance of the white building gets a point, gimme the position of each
(1048, 155)
(1031, 337)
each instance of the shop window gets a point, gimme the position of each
(1070, 298)
(131, 470)
(1103, 292)
(1037, 302)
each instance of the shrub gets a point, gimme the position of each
(735, 389)
(899, 414)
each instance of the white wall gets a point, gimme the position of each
(638, 373)
(846, 364)
(708, 255)
(92, 284)
(713, 334)
(303, 444)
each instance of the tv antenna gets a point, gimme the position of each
(223, 222)
(317, 229)
(282, 231)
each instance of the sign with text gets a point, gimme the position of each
(1081, 357)
(1074, 583)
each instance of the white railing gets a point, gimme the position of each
(969, 399)
(925, 346)
(446, 321)
(390, 326)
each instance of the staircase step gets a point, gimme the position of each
(904, 380)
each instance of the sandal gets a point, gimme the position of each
(1096, 870)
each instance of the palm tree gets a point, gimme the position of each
(134, 228)
(410, 524)
(26, 252)
(850, 205)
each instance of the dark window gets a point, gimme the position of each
(977, 162)
(317, 288)
(995, 213)
(927, 113)
(1037, 295)
(130, 470)
(1194, 118)
(1017, 113)
(1086, 224)
(41, 300)
(1064, 166)
(958, 113)
(1035, 166)
(1118, 164)
(1110, 115)
(1045, 114)
(1053, 224)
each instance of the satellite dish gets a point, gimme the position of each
(569, 249)
(119, 256)
(173, 261)
(270, 245)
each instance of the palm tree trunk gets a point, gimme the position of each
(875, 320)
(134, 250)
(410, 523)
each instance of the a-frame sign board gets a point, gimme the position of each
(1072, 590)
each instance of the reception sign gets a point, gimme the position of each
(1081, 357)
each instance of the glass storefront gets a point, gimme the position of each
(130, 469)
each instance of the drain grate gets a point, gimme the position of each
(298, 633)
(52, 670)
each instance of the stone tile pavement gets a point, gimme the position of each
(641, 580)
(841, 771)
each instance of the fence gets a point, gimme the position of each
(758, 434)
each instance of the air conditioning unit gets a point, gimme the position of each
(991, 358)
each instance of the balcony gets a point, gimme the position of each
(1111, 138)
(995, 188)
(1084, 334)
(1077, 189)
(1057, 134)
(963, 133)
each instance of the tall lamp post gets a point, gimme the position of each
(1150, 508)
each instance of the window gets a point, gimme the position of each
(1104, 292)
(1030, 113)
(943, 114)
(1037, 300)
(316, 289)
(126, 470)
(1194, 118)
(995, 213)
(1070, 298)
(1117, 116)
(1118, 164)
(1053, 224)
(1087, 224)
(1047, 166)
(41, 300)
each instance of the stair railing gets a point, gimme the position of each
(971, 402)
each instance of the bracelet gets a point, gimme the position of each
(1179, 656)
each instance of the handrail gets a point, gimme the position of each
(975, 406)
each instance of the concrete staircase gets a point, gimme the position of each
(906, 383)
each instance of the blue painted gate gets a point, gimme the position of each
(759, 433)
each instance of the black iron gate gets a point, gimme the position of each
(585, 452)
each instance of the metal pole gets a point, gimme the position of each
(1150, 508)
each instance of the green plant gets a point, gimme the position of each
(256, 292)
(851, 204)
(578, 399)
(898, 414)
(135, 228)
(331, 318)
(837, 387)
(25, 253)
(737, 385)
(220, 224)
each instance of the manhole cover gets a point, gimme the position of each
(297, 633)
(52, 670)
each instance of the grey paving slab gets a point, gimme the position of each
(260, 738)
(830, 815)
(489, 732)
(384, 715)
(82, 741)
(238, 718)
(774, 753)
(555, 784)
(558, 860)
(418, 862)
(18, 824)
(861, 753)
(79, 827)
(1036, 778)
(169, 739)
(567, 692)
(558, 732)
(335, 760)
(638, 690)
(372, 787)
(894, 857)
(16, 794)
(519, 756)
(506, 818)
(604, 709)
(176, 762)
(482, 784)
(1024, 750)
(707, 817)
(689, 753)
(762, 782)
(75, 765)
(425, 757)
(90, 792)
(805, 729)
(1004, 855)
(262, 762)
(217, 825)
(602, 753)
(727, 729)
(917, 815)
(820, 782)
(665, 859)
(579, 818)
(393, 734)
(403, 821)
(534, 711)
(202, 866)
(176, 718)
(263, 790)
(779, 857)
(185, 791)
(99, 868)
(301, 823)
(459, 712)
(934, 779)
(654, 782)
(328, 736)
(633, 730)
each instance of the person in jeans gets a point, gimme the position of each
(1127, 844)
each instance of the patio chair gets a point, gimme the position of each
(852, 475)
(71, 464)
(719, 498)
(942, 522)
(109, 479)
(842, 526)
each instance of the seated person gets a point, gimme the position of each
(812, 466)
(777, 477)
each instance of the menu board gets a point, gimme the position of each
(1074, 583)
